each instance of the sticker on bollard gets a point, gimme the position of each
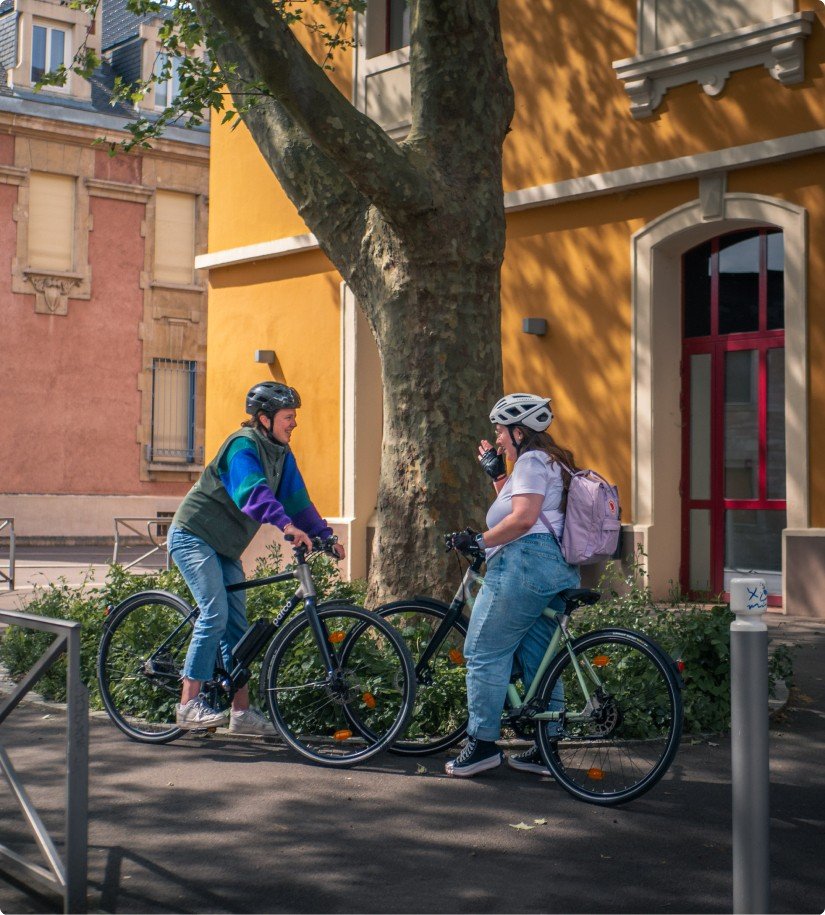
(749, 745)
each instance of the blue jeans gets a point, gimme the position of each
(222, 619)
(521, 580)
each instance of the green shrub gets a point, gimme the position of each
(86, 603)
(697, 636)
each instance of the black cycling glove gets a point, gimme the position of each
(492, 463)
(464, 540)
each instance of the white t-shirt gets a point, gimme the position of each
(532, 473)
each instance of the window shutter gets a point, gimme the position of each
(51, 221)
(174, 237)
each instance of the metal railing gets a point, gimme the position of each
(8, 576)
(151, 532)
(66, 878)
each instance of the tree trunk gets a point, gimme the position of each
(416, 229)
(435, 313)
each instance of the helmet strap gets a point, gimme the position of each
(517, 445)
(268, 431)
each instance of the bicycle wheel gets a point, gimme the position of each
(359, 710)
(139, 663)
(439, 718)
(615, 743)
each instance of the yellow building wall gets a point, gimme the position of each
(573, 114)
(291, 306)
(570, 264)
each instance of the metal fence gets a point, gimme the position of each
(8, 576)
(149, 532)
(67, 878)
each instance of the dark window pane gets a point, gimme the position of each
(398, 29)
(739, 283)
(741, 425)
(776, 281)
(753, 545)
(696, 272)
(38, 52)
(776, 423)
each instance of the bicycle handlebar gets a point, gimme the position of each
(319, 545)
(471, 551)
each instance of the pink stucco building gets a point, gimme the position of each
(102, 315)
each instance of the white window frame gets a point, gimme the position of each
(50, 28)
(173, 83)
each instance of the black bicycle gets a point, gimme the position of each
(338, 682)
(605, 708)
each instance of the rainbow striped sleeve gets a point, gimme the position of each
(243, 478)
(293, 495)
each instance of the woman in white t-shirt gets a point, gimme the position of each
(525, 572)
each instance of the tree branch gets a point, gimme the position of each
(376, 166)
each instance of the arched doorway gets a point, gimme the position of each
(733, 411)
(657, 252)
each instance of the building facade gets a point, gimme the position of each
(103, 313)
(664, 183)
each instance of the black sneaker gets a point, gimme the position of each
(529, 761)
(477, 756)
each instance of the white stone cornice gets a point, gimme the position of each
(265, 250)
(777, 45)
(11, 174)
(118, 190)
(623, 179)
(667, 170)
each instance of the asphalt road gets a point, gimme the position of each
(227, 825)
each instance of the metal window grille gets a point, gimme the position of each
(174, 386)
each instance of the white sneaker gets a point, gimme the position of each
(252, 723)
(197, 713)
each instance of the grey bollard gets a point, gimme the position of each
(750, 774)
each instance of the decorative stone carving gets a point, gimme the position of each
(778, 45)
(52, 291)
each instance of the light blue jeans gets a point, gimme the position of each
(521, 580)
(222, 619)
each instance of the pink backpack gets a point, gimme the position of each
(591, 521)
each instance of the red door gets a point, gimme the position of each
(733, 412)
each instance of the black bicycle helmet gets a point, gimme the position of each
(270, 396)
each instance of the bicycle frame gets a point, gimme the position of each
(306, 592)
(465, 596)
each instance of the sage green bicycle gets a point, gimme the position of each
(605, 708)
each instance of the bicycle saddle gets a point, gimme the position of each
(577, 597)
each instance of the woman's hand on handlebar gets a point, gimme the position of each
(463, 541)
(298, 537)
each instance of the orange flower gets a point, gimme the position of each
(342, 735)
(336, 637)
(369, 700)
(456, 656)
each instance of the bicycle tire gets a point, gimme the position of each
(374, 691)
(614, 748)
(139, 692)
(439, 718)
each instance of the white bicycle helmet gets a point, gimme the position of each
(523, 410)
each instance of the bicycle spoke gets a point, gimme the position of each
(619, 742)
(338, 719)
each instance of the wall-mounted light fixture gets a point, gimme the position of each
(266, 356)
(536, 326)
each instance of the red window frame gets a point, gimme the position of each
(717, 345)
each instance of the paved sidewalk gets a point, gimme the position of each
(229, 825)
(222, 825)
(40, 565)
